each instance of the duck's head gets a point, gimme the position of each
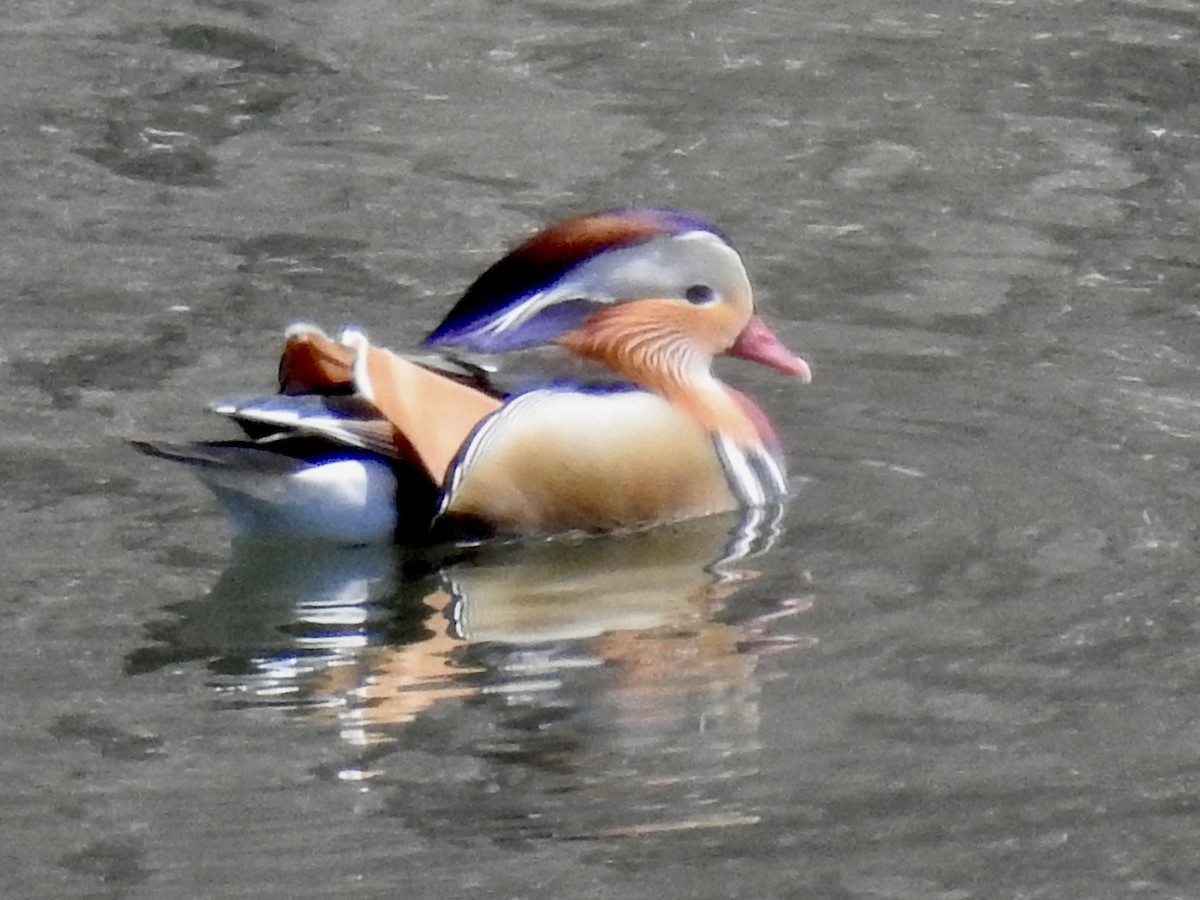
(655, 287)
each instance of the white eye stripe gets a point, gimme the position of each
(695, 266)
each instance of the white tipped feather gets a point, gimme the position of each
(343, 420)
(300, 328)
(357, 341)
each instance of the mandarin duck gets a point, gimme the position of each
(362, 444)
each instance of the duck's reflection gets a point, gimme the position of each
(590, 662)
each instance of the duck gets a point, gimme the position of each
(616, 423)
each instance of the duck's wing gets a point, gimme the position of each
(431, 415)
(413, 410)
(340, 419)
(314, 362)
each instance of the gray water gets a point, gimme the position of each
(965, 667)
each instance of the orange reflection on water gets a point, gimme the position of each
(614, 666)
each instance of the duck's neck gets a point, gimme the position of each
(667, 363)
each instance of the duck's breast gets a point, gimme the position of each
(566, 457)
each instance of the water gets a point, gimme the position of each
(964, 668)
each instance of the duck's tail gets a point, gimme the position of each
(351, 498)
(355, 447)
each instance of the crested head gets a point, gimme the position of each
(551, 283)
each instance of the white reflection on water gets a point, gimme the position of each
(607, 665)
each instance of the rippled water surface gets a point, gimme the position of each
(962, 664)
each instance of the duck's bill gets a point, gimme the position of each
(758, 343)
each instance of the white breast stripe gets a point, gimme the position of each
(357, 341)
(743, 480)
(770, 471)
(476, 445)
(755, 476)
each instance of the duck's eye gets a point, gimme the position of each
(699, 294)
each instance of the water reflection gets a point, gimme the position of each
(600, 667)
